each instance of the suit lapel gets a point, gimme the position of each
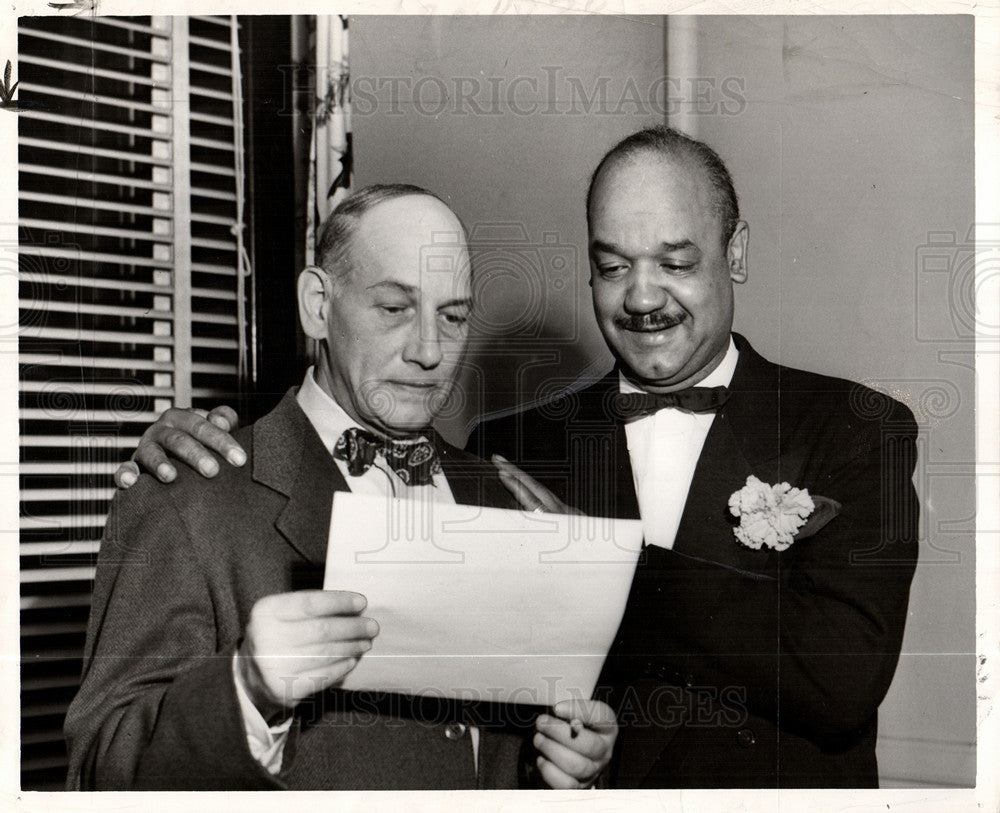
(743, 440)
(598, 456)
(472, 481)
(289, 457)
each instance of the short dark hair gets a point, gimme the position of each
(672, 143)
(335, 234)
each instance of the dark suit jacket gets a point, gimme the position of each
(179, 570)
(740, 667)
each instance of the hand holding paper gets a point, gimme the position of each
(575, 743)
(299, 643)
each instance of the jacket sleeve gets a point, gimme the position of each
(817, 648)
(157, 707)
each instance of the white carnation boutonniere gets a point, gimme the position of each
(770, 515)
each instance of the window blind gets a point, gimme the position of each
(132, 295)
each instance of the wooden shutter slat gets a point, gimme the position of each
(97, 45)
(98, 73)
(93, 177)
(107, 336)
(90, 203)
(90, 98)
(104, 231)
(59, 574)
(204, 67)
(95, 362)
(128, 26)
(96, 282)
(65, 599)
(102, 415)
(85, 307)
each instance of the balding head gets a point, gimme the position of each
(333, 244)
(674, 146)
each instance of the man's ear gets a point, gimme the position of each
(314, 301)
(736, 252)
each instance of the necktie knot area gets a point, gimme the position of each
(631, 406)
(414, 461)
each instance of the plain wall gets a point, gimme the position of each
(855, 167)
(850, 142)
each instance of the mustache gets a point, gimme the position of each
(649, 321)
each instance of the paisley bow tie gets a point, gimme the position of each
(414, 461)
(631, 406)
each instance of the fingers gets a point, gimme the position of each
(528, 491)
(275, 684)
(126, 474)
(593, 714)
(213, 430)
(525, 498)
(302, 604)
(335, 650)
(190, 436)
(557, 778)
(300, 642)
(573, 736)
(530, 494)
(225, 418)
(150, 456)
(578, 768)
(327, 630)
(575, 742)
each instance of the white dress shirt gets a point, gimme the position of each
(664, 449)
(267, 743)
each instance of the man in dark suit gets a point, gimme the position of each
(207, 666)
(767, 611)
(750, 655)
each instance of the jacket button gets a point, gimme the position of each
(745, 737)
(455, 731)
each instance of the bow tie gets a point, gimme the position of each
(415, 461)
(631, 406)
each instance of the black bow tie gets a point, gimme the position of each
(415, 461)
(631, 406)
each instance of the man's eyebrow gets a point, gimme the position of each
(663, 248)
(451, 303)
(391, 283)
(414, 291)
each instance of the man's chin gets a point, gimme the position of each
(652, 372)
(403, 425)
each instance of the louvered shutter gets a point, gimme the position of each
(131, 289)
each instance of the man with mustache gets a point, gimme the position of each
(767, 611)
(206, 666)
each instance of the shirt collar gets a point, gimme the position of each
(325, 414)
(721, 376)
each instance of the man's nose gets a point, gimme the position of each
(645, 294)
(424, 346)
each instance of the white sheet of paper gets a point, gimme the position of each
(481, 603)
